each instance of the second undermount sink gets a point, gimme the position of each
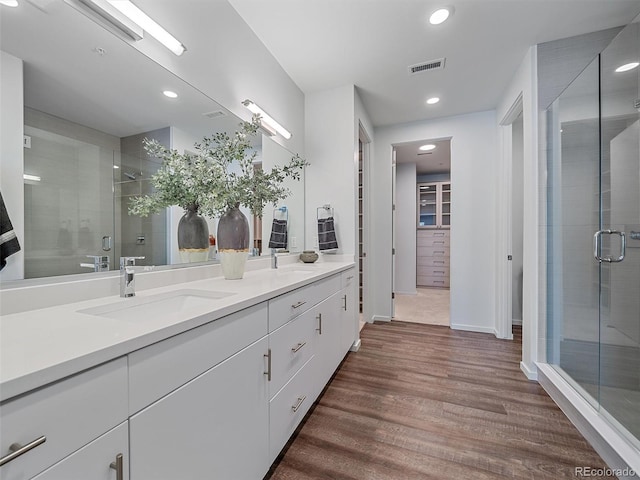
(141, 308)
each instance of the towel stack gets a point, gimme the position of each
(327, 234)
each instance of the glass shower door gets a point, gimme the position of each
(620, 278)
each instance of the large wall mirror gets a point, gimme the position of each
(89, 100)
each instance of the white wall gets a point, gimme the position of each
(405, 264)
(473, 223)
(11, 156)
(523, 86)
(330, 179)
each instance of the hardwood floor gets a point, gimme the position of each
(426, 402)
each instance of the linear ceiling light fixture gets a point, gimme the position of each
(145, 22)
(102, 12)
(267, 119)
(9, 3)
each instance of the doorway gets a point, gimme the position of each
(364, 151)
(422, 218)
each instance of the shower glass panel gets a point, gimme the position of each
(68, 193)
(620, 281)
(573, 216)
(593, 234)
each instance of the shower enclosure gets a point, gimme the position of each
(593, 233)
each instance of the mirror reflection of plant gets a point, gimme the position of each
(218, 177)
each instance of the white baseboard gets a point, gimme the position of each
(614, 449)
(414, 292)
(356, 346)
(380, 318)
(516, 321)
(473, 328)
(528, 372)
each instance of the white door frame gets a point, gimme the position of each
(365, 138)
(504, 287)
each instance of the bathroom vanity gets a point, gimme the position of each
(203, 379)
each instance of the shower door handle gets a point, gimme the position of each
(596, 246)
(106, 243)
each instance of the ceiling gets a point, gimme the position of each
(436, 161)
(324, 44)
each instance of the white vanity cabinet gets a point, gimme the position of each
(349, 303)
(106, 458)
(215, 424)
(68, 415)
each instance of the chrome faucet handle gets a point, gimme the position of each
(129, 261)
(100, 263)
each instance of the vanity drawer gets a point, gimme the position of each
(292, 345)
(433, 271)
(162, 367)
(290, 305)
(437, 251)
(348, 277)
(289, 406)
(69, 414)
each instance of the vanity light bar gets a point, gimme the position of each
(145, 22)
(267, 119)
(104, 13)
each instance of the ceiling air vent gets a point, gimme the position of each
(215, 114)
(429, 66)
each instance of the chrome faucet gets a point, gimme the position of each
(127, 276)
(274, 258)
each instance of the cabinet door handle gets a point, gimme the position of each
(268, 372)
(298, 305)
(298, 347)
(16, 449)
(345, 303)
(298, 403)
(319, 329)
(117, 466)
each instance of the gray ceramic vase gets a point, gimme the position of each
(193, 236)
(308, 256)
(233, 243)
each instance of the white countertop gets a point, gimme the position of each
(38, 347)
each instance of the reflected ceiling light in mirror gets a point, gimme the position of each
(266, 119)
(149, 25)
(433, 100)
(440, 16)
(170, 94)
(33, 178)
(427, 148)
(9, 3)
(626, 67)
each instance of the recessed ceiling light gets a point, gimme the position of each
(627, 67)
(9, 3)
(439, 16)
(433, 100)
(116, 167)
(427, 148)
(170, 94)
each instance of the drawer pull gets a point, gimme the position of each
(16, 449)
(298, 347)
(439, 281)
(438, 234)
(299, 403)
(438, 271)
(298, 305)
(439, 242)
(439, 251)
(441, 262)
(345, 302)
(350, 277)
(117, 466)
(319, 329)
(268, 372)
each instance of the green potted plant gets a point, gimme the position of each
(215, 181)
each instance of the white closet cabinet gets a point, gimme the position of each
(215, 426)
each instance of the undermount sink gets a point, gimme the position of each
(294, 271)
(141, 308)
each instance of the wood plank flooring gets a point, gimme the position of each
(426, 402)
